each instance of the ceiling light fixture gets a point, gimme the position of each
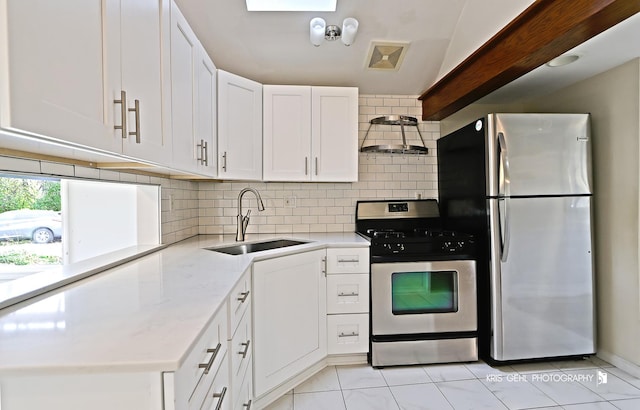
(319, 31)
(563, 60)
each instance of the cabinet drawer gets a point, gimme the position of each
(239, 299)
(348, 333)
(218, 396)
(245, 392)
(348, 260)
(240, 347)
(204, 360)
(348, 293)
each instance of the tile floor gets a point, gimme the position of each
(571, 385)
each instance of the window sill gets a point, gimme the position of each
(19, 290)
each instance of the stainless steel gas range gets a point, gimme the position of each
(423, 285)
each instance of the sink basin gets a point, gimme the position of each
(243, 248)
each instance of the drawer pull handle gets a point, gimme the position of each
(352, 334)
(247, 405)
(220, 397)
(243, 296)
(207, 366)
(348, 259)
(348, 294)
(246, 348)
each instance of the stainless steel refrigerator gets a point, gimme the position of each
(522, 184)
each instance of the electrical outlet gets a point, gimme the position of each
(172, 203)
(290, 202)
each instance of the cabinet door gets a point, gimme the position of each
(141, 68)
(290, 322)
(206, 114)
(334, 134)
(287, 133)
(53, 78)
(239, 127)
(184, 49)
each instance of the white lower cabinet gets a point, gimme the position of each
(217, 397)
(289, 311)
(245, 392)
(188, 387)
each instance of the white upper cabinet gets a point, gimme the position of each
(287, 133)
(310, 133)
(193, 100)
(134, 40)
(69, 63)
(239, 127)
(334, 133)
(52, 79)
(206, 114)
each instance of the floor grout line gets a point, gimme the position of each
(551, 368)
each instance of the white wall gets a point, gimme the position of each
(613, 99)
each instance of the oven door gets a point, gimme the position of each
(423, 297)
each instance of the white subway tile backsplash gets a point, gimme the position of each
(211, 207)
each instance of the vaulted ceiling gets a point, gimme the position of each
(274, 47)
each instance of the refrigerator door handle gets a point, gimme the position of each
(505, 229)
(503, 171)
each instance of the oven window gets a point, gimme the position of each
(424, 292)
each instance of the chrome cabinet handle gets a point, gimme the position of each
(316, 165)
(352, 334)
(220, 397)
(306, 165)
(247, 405)
(246, 348)
(200, 157)
(136, 109)
(207, 366)
(243, 296)
(123, 113)
(348, 294)
(224, 161)
(206, 152)
(324, 266)
(348, 259)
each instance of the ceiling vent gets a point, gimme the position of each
(386, 56)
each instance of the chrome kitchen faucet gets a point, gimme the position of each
(243, 221)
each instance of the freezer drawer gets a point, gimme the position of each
(541, 277)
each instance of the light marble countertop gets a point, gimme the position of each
(143, 315)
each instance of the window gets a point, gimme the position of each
(291, 5)
(47, 224)
(424, 292)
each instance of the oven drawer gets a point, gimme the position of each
(347, 260)
(348, 334)
(348, 293)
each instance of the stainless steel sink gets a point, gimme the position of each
(243, 248)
